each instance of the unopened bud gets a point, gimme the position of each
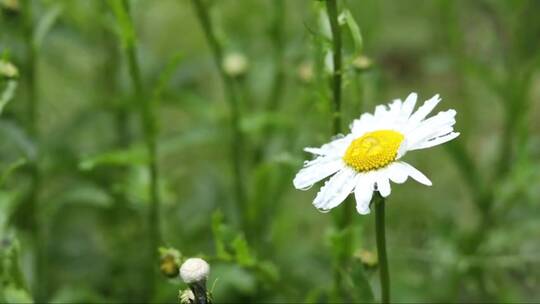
(235, 64)
(305, 72)
(368, 258)
(169, 262)
(194, 270)
(10, 6)
(362, 63)
(8, 70)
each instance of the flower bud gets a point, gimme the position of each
(367, 258)
(305, 72)
(362, 63)
(235, 64)
(169, 262)
(194, 270)
(8, 70)
(10, 6)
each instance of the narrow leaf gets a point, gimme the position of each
(45, 24)
(7, 94)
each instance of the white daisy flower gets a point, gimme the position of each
(368, 158)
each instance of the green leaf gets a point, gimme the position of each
(7, 94)
(10, 271)
(341, 247)
(12, 294)
(358, 284)
(45, 24)
(242, 252)
(84, 193)
(219, 231)
(18, 140)
(347, 18)
(136, 155)
(166, 76)
(10, 169)
(258, 122)
(315, 295)
(268, 270)
(126, 31)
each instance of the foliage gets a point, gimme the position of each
(74, 183)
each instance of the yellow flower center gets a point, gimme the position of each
(373, 150)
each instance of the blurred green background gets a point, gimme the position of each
(74, 199)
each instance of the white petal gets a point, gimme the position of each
(434, 142)
(359, 126)
(336, 147)
(319, 169)
(383, 184)
(417, 175)
(395, 109)
(403, 148)
(363, 193)
(440, 124)
(397, 172)
(380, 112)
(424, 110)
(408, 106)
(336, 189)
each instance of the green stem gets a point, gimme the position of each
(331, 7)
(379, 202)
(277, 36)
(148, 121)
(200, 293)
(278, 82)
(234, 104)
(344, 218)
(109, 85)
(33, 212)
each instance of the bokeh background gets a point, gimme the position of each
(79, 231)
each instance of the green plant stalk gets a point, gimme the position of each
(149, 126)
(278, 41)
(278, 81)
(483, 190)
(33, 211)
(200, 293)
(380, 233)
(331, 7)
(344, 218)
(234, 104)
(109, 85)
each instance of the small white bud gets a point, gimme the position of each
(194, 270)
(235, 64)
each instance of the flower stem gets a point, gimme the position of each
(277, 88)
(344, 218)
(331, 7)
(379, 202)
(199, 291)
(33, 212)
(277, 34)
(150, 129)
(234, 104)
